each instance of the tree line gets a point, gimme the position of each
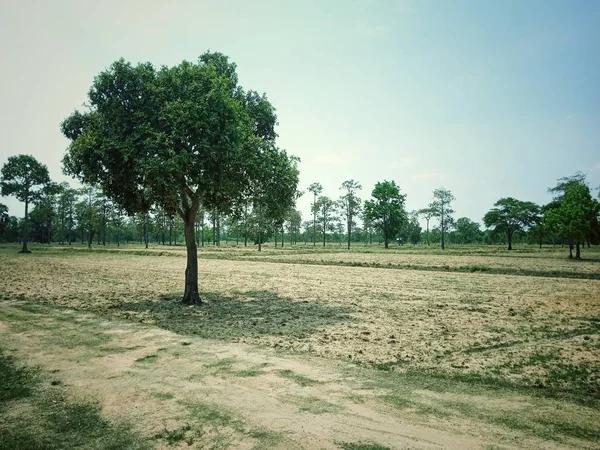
(169, 145)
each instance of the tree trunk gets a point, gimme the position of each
(146, 230)
(349, 223)
(509, 235)
(571, 250)
(191, 295)
(428, 232)
(577, 251)
(315, 221)
(443, 240)
(25, 230)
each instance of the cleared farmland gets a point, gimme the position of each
(538, 335)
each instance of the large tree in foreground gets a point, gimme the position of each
(28, 180)
(385, 211)
(510, 215)
(176, 137)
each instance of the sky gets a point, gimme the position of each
(489, 99)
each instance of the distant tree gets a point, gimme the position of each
(572, 218)
(350, 205)
(442, 210)
(316, 189)
(386, 209)
(177, 137)
(4, 218)
(28, 180)
(510, 215)
(466, 230)
(411, 229)
(294, 222)
(427, 214)
(558, 193)
(325, 215)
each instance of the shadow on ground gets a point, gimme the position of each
(244, 314)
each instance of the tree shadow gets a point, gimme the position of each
(250, 314)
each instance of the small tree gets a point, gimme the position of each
(427, 214)
(385, 211)
(326, 215)
(4, 218)
(510, 215)
(27, 179)
(350, 205)
(442, 210)
(316, 189)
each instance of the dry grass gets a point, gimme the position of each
(530, 331)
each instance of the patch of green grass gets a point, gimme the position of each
(163, 395)
(361, 446)
(47, 420)
(176, 436)
(212, 415)
(148, 359)
(248, 373)
(297, 378)
(15, 381)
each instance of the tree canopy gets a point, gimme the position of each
(574, 215)
(28, 180)
(510, 215)
(442, 210)
(176, 137)
(385, 211)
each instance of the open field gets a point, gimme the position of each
(312, 348)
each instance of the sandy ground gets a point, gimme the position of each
(153, 378)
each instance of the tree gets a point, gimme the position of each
(350, 205)
(385, 211)
(4, 218)
(559, 191)
(510, 215)
(411, 229)
(572, 218)
(316, 189)
(326, 214)
(178, 137)
(466, 230)
(442, 210)
(427, 214)
(27, 179)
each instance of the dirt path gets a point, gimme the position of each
(194, 393)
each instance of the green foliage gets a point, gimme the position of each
(350, 205)
(4, 218)
(180, 137)
(25, 178)
(466, 231)
(510, 215)
(574, 215)
(440, 207)
(325, 209)
(386, 210)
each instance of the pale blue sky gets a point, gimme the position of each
(487, 98)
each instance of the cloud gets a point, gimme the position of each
(336, 158)
(595, 167)
(426, 175)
